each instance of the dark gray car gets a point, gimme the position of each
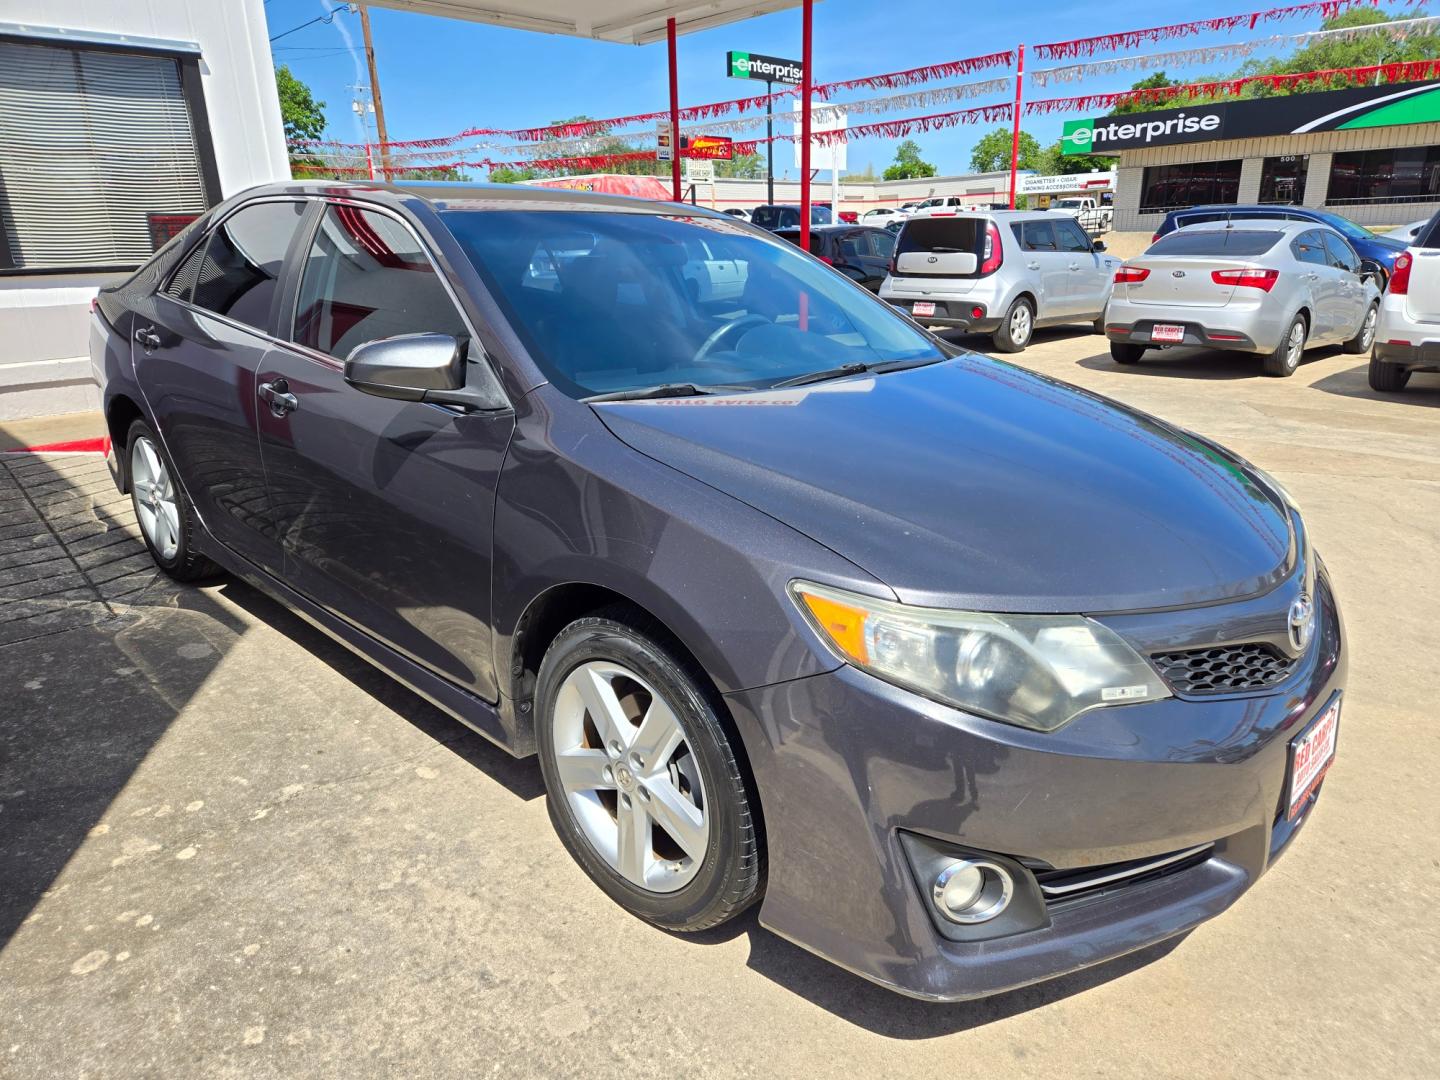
(969, 677)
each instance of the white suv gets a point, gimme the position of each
(1408, 335)
(999, 272)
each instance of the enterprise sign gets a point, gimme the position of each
(1292, 114)
(745, 65)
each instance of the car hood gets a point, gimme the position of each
(976, 484)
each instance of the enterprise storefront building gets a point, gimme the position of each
(1371, 153)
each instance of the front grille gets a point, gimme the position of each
(1063, 886)
(1224, 669)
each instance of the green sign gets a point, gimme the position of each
(744, 65)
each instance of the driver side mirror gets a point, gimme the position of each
(1373, 271)
(1098, 245)
(428, 368)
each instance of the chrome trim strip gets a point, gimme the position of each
(1119, 875)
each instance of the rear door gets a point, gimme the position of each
(881, 247)
(197, 363)
(1326, 302)
(1048, 267)
(384, 508)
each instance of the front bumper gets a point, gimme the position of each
(844, 762)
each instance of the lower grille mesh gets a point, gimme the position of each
(1224, 669)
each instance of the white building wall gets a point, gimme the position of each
(43, 363)
(725, 194)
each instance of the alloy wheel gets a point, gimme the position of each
(629, 776)
(1367, 331)
(1020, 324)
(153, 493)
(1295, 347)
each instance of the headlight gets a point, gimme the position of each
(1037, 671)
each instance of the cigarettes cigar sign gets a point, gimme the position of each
(744, 65)
(1292, 114)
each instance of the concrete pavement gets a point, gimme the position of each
(229, 848)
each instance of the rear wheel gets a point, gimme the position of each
(643, 785)
(1123, 352)
(166, 518)
(1365, 336)
(1387, 378)
(1016, 328)
(1286, 357)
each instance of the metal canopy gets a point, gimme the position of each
(634, 22)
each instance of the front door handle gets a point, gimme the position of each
(147, 338)
(278, 394)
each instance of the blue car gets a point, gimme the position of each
(1368, 245)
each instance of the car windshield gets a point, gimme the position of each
(1240, 243)
(611, 302)
(1345, 227)
(1068, 203)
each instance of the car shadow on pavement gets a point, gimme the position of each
(519, 777)
(983, 343)
(1423, 388)
(894, 1016)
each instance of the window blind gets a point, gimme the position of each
(92, 143)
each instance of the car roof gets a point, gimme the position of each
(477, 196)
(1257, 225)
(1251, 208)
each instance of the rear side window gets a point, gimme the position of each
(881, 243)
(240, 271)
(1239, 243)
(1429, 235)
(366, 277)
(1037, 235)
(1309, 247)
(184, 279)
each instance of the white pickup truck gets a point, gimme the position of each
(1090, 214)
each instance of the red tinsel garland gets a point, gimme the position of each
(1130, 39)
(1413, 71)
(913, 76)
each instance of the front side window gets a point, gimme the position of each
(1168, 187)
(1071, 237)
(240, 271)
(882, 244)
(622, 314)
(1341, 255)
(367, 277)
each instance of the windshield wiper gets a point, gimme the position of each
(665, 390)
(856, 368)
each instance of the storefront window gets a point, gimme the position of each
(1174, 187)
(1282, 179)
(1407, 174)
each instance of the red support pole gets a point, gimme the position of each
(1015, 138)
(674, 113)
(805, 83)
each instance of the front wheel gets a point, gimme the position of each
(1365, 336)
(1016, 328)
(643, 785)
(1286, 357)
(167, 520)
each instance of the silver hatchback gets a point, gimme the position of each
(1000, 272)
(1269, 287)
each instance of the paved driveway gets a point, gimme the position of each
(228, 848)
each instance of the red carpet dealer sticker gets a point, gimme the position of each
(1311, 755)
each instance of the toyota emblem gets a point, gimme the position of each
(1301, 623)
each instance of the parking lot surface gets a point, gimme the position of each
(230, 848)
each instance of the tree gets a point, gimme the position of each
(992, 152)
(1326, 54)
(512, 176)
(741, 167)
(432, 174)
(908, 165)
(302, 115)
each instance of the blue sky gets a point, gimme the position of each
(440, 76)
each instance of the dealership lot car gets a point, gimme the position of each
(862, 254)
(1407, 338)
(1266, 287)
(1001, 272)
(713, 561)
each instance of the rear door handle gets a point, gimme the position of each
(1032, 266)
(278, 394)
(147, 338)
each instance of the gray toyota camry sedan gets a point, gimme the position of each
(967, 677)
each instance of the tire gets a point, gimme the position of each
(167, 520)
(1099, 326)
(1283, 362)
(1123, 352)
(1387, 378)
(661, 881)
(1017, 328)
(1365, 336)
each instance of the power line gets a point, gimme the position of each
(326, 19)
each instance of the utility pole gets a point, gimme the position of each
(375, 94)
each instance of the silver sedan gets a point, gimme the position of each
(1267, 287)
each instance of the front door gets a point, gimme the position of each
(1324, 283)
(1351, 304)
(1048, 267)
(384, 508)
(197, 359)
(1089, 276)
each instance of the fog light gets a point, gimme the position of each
(972, 890)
